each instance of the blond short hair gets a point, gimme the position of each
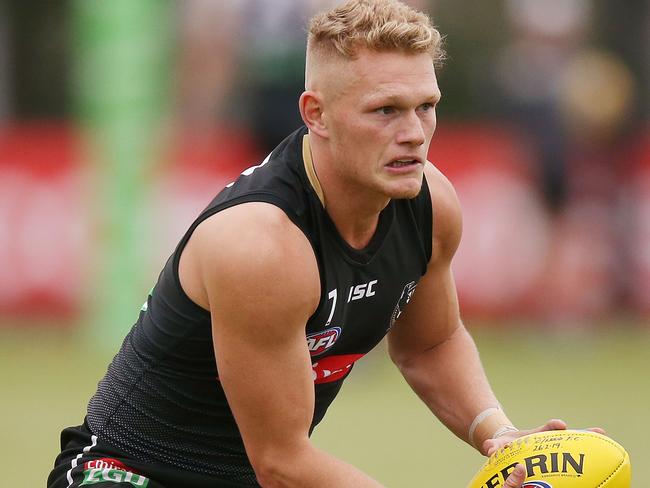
(377, 25)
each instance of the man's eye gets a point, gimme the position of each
(426, 107)
(386, 110)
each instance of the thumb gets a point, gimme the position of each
(516, 478)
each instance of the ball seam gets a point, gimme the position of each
(606, 480)
(617, 446)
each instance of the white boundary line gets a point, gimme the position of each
(75, 461)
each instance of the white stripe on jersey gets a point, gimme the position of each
(75, 461)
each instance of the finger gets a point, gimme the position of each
(597, 430)
(491, 446)
(553, 424)
(516, 478)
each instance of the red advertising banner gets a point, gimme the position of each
(515, 257)
(43, 226)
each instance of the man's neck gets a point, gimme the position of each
(354, 210)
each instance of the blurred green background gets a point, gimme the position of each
(588, 379)
(120, 120)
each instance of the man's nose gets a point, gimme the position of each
(412, 131)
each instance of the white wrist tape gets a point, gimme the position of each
(480, 418)
(489, 424)
(504, 430)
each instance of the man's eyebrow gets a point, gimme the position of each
(436, 97)
(395, 99)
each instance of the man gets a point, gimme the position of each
(293, 273)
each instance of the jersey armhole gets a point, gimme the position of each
(426, 218)
(270, 198)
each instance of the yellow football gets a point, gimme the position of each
(559, 459)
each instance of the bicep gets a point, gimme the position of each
(267, 378)
(262, 286)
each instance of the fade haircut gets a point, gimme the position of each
(377, 25)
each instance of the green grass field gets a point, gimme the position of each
(377, 423)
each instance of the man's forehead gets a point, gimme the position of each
(393, 67)
(396, 80)
(376, 73)
(396, 91)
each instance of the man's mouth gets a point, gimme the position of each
(400, 163)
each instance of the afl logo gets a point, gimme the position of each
(536, 484)
(319, 342)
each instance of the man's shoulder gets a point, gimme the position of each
(248, 246)
(439, 185)
(255, 224)
(447, 214)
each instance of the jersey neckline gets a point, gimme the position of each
(355, 256)
(365, 255)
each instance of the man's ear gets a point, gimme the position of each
(311, 110)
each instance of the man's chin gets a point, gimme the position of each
(406, 189)
(407, 195)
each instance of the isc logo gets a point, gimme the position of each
(357, 292)
(319, 342)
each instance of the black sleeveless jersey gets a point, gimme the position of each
(160, 400)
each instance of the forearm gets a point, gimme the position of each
(450, 379)
(310, 467)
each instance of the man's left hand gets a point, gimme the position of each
(490, 446)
